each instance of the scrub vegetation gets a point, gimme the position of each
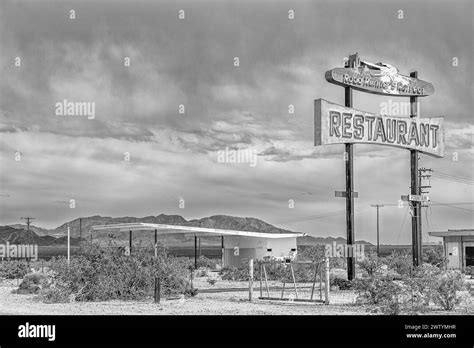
(108, 274)
(393, 286)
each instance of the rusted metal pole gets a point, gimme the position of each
(349, 156)
(284, 283)
(266, 280)
(250, 280)
(350, 196)
(195, 252)
(157, 290)
(415, 190)
(222, 251)
(156, 242)
(320, 280)
(326, 293)
(294, 280)
(314, 280)
(68, 245)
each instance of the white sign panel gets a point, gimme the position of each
(337, 124)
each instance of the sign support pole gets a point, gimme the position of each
(415, 190)
(349, 192)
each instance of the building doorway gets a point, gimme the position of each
(469, 256)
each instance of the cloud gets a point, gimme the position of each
(190, 63)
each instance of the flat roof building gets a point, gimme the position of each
(237, 246)
(458, 247)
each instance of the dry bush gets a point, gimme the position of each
(104, 273)
(33, 283)
(13, 269)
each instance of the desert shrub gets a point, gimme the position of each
(469, 270)
(201, 272)
(204, 262)
(444, 289)
(434, 255)
(33, 283)
(212, 281)
(400, 262)
(13, 269)
(56, 294)
(317, 253)
(234, 273)
(382, 292)
(103, 274)
(371, 265)
(341, 283)
(314, 253)
(420, 287)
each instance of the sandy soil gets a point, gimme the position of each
(232, 302)
(218, 303)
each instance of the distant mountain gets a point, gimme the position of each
(20, 236)
(310, 240)
(216, 221)
(108, 236)
(38, 230)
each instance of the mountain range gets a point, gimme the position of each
(81, 228)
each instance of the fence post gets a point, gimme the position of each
(326, 285)
(157, 290)
(250, 280)
(294, 280)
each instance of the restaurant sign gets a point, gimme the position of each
(379, 78)
(337, 124)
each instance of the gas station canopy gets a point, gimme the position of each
(169, 229)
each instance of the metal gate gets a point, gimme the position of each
(312, 286)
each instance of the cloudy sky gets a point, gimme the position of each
(173, 156)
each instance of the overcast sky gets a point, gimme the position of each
(190, 61)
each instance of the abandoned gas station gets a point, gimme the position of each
(237, 246)
(458, 247)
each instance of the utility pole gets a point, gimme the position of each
(28, 219)
(414, 180)
(422, 176)
(378, 233)
(424, 188)
(353, 62)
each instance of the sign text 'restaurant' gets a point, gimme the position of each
(336, 124)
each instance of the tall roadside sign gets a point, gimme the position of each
(337, 124)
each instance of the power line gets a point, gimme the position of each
(311, 217)
(452, 206)
(315, 217)
(453, 178)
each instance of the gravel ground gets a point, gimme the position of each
(219, 303)
(234, 302)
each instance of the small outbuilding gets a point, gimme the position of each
(237, 246)
(458, 247)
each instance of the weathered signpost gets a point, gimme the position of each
(337, 124)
